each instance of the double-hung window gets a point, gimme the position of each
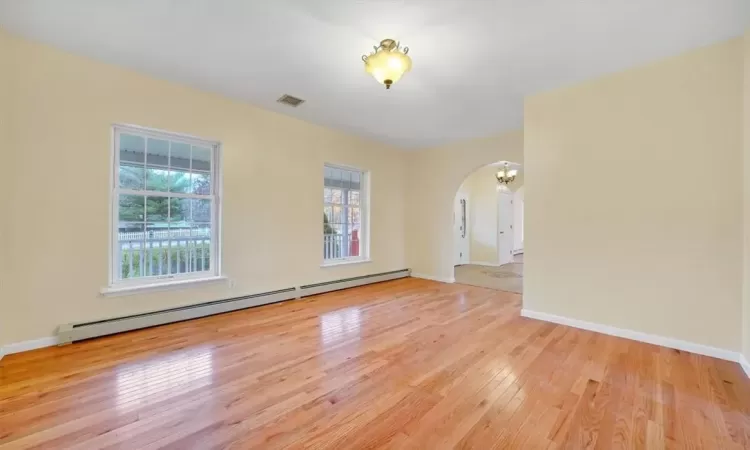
(344, 215)
(165, 208)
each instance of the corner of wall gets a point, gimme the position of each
(745, 364)
(434, 176)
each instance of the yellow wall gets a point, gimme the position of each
(434, 177)
(63, 108)
(647, 235)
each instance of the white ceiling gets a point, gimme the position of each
(474, 60)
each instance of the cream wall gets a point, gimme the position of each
(655, 247)
(483, 206)
(434, 177)
(63, 107)
(746, 199)
(518, 220)
(6, 156)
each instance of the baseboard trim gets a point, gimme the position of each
(745, 365)
(676, 344)
(32, 344)
(484, 264)
(430, 277)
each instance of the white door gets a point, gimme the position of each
(461, 229)
(505, 227)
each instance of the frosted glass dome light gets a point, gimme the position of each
(388, 63)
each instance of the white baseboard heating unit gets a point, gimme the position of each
(72, 332)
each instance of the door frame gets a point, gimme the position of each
(511, 234)
(461, 257)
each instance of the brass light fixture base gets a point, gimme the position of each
(388, 44)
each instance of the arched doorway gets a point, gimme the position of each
(434, 177)
(488, 230)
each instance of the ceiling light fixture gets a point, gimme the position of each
(506, 175)
(388, 63)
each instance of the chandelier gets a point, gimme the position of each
(388, 63)
(506, 175)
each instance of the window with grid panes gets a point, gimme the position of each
(165, 207)
(344, 209)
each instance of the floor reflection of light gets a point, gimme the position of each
(339, 325)
(513, 380)
(156, 379)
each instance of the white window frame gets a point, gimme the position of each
(364, 208)
(157, 282)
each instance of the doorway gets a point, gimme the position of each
(487, 227)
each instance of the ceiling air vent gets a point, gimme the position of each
(291, 101)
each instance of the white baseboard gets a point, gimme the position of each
(745, 365)
(485, 264)
(32, 344)
(677, 344)
(430, 277)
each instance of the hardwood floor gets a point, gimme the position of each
(404, 364)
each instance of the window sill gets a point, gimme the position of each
(116, 291)
(345, 262)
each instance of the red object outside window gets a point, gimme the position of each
(354, 245)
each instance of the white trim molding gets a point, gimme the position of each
(745, 365)
(676, 344)
(26, 346)
(119, 284)
(345, 262)
(484, 264)
(164, 286)
(433, 278)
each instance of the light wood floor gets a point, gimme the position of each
(404, 364)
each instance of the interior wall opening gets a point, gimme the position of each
(488, 228)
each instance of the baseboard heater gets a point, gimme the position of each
(346, 283)
(72, 332)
